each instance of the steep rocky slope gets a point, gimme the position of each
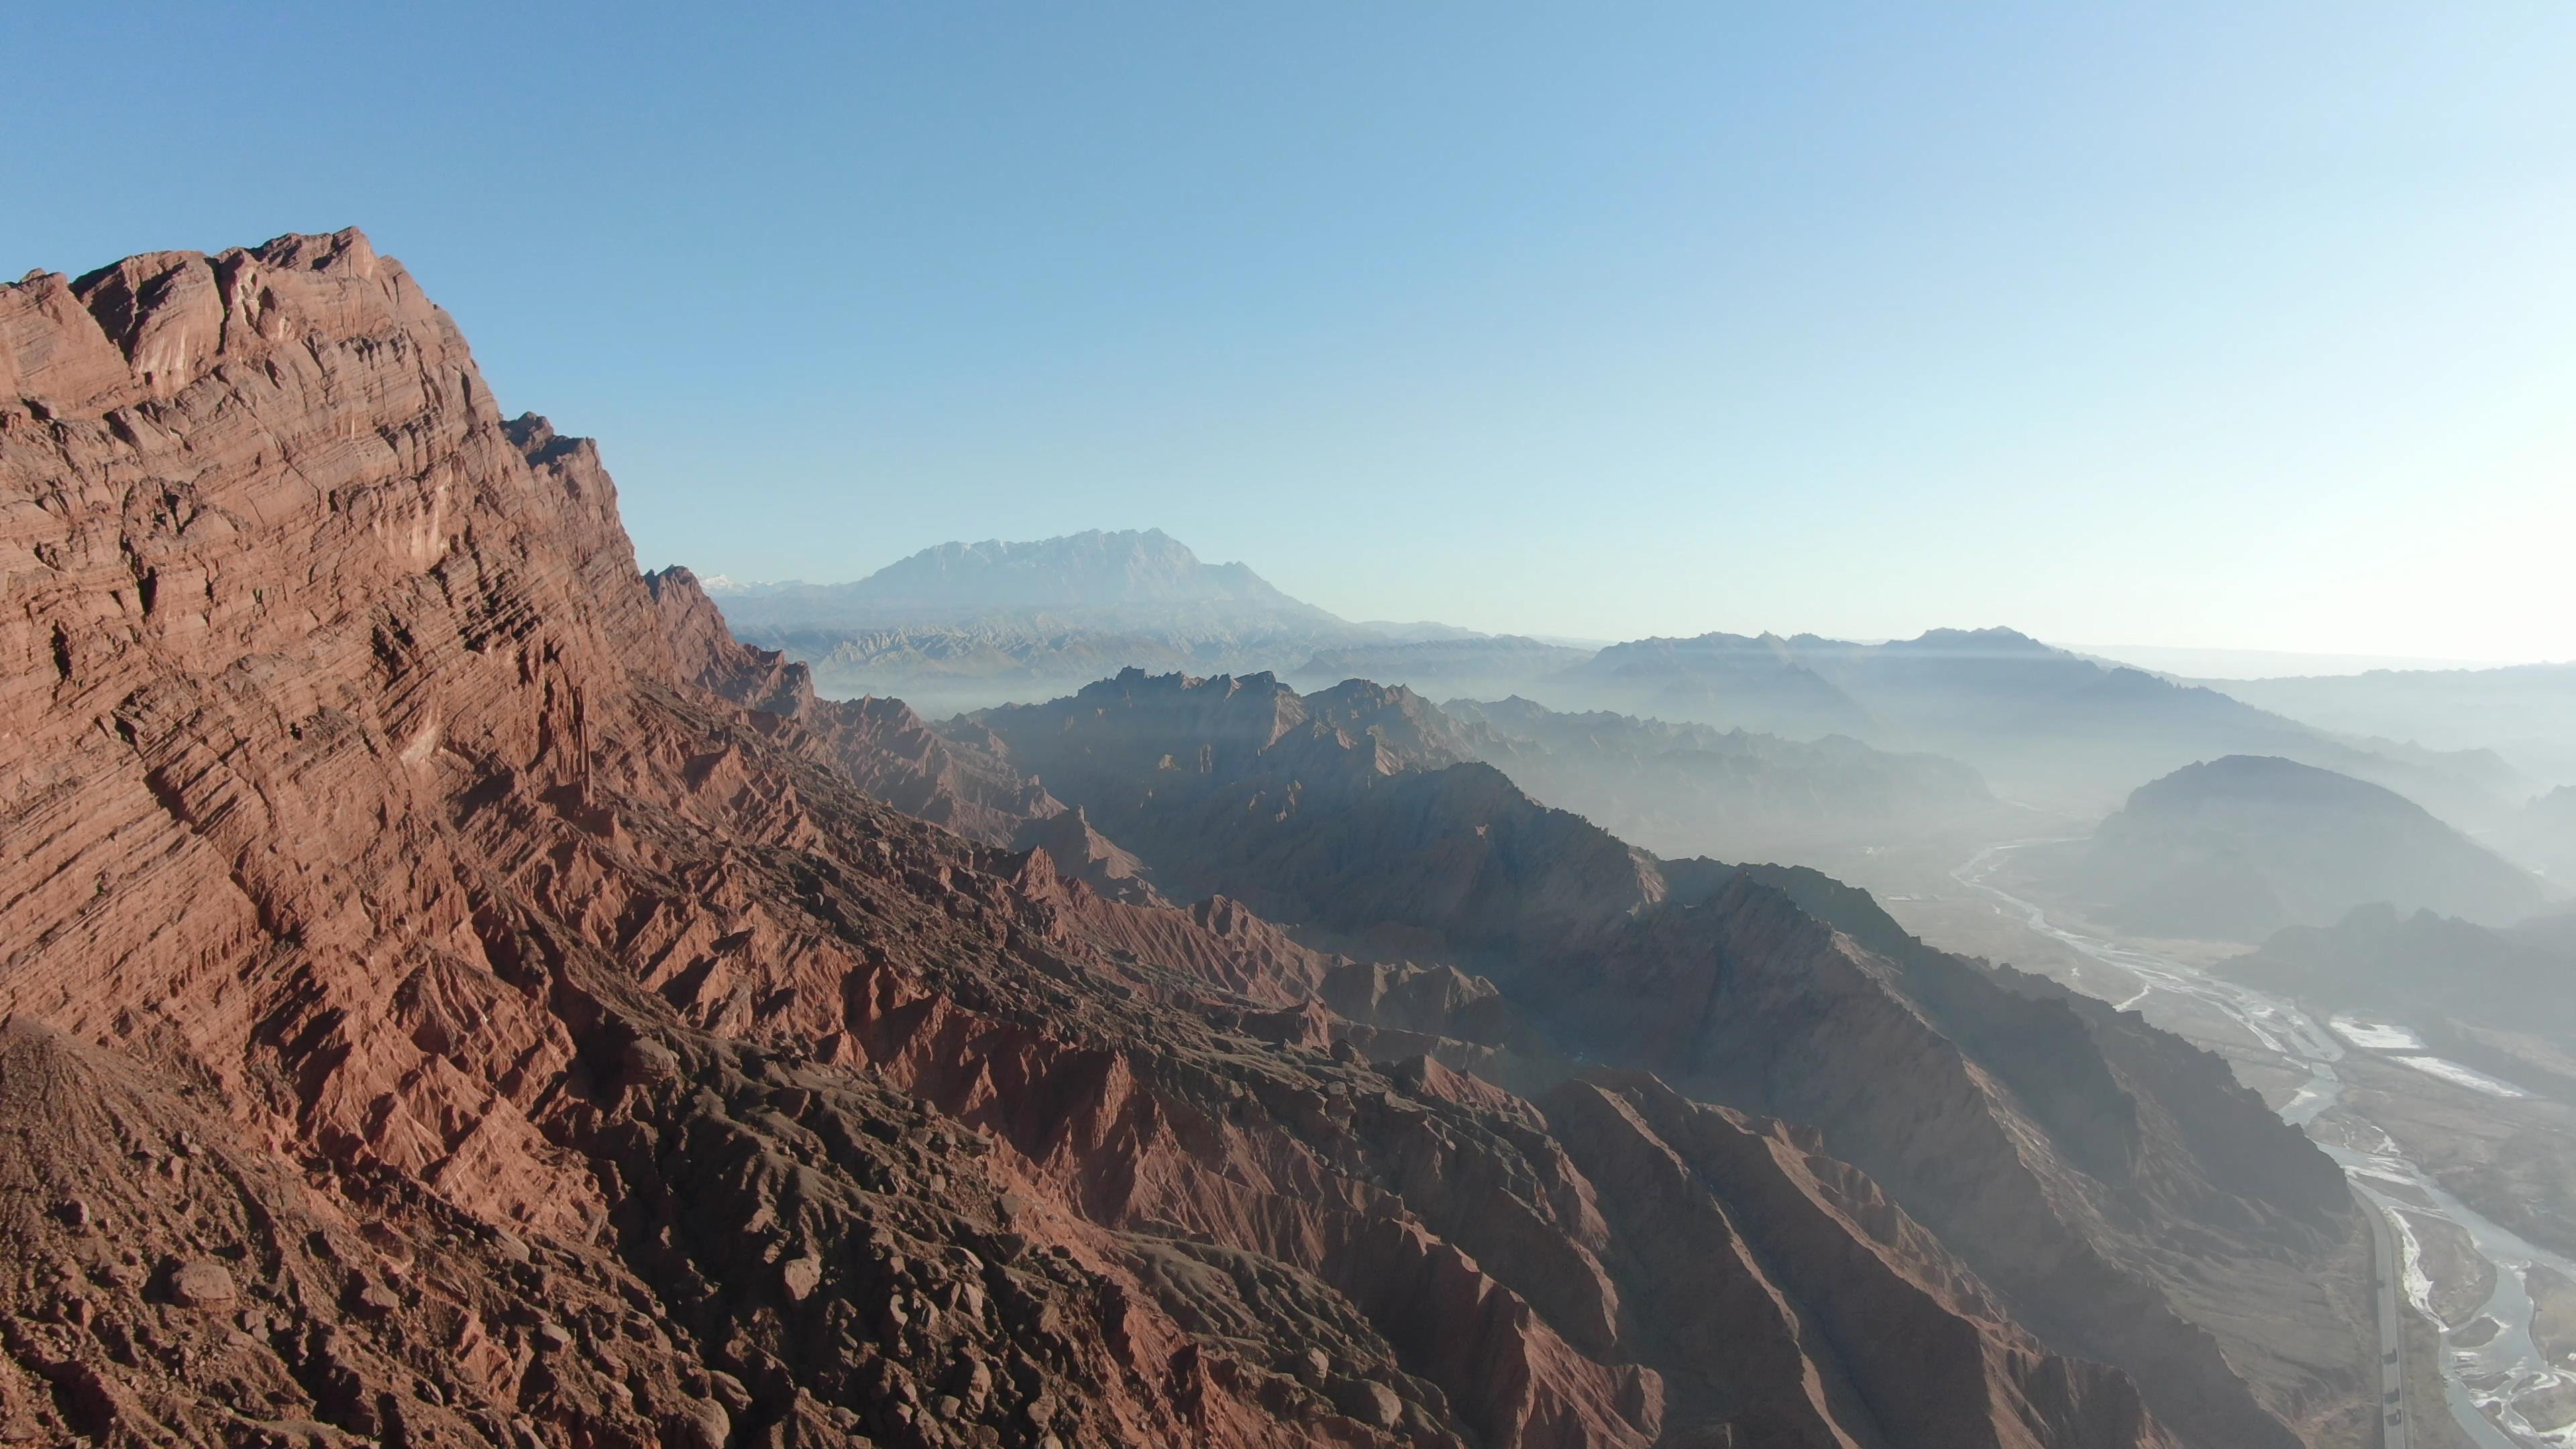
(2063, 1151)
(454, 994)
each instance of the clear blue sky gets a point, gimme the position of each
(2216, 325)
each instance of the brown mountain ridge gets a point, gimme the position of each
(455, 994)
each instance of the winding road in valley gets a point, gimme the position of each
(2484, 1380)
(2387, 1269)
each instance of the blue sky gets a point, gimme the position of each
(2211, 325)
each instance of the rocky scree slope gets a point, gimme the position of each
(454, 994)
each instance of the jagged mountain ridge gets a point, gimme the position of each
(1351, 814)
(455, 993)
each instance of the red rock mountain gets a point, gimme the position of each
(455, 994)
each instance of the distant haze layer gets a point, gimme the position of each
(2196, 663)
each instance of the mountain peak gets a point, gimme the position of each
(1994, 639)
(1127, 577)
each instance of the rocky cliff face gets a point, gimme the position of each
(455, 994)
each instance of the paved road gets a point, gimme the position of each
(2388, 1270)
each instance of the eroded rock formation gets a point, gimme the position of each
(455, 994)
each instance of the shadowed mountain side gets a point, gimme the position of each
(2032, 1130)
(456, 994)
(2505, 999)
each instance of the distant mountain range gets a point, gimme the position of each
(2526, 711)
(2237, 848)
(1694, 789)
(965, 626)
(2041, 723)
(1127, 580)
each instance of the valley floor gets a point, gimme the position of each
(2477, 1182)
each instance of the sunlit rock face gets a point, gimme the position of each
(456, 994)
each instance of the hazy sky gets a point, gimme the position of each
(2208, 325)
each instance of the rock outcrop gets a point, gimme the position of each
(456, 994)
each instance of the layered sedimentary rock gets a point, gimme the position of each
(455, 994)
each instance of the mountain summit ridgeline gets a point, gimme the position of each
(453, 992)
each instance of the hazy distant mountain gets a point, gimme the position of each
(1418, 631)
(720, 586)
(1130, 577)
(1487, 666)
(2543, 836)
(2220, 667)
(1693, 789)
(966, 625)
(2527, 711)
(1758, 683)
(2237, 848)
(2039, 722)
